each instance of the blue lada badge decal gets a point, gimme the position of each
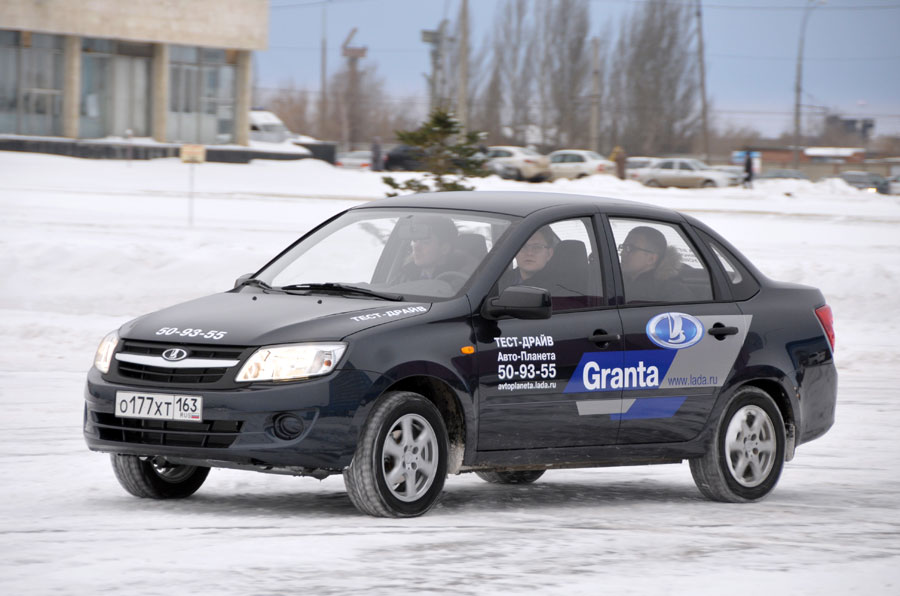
(674, 330)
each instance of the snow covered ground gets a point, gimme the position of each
(86, 245)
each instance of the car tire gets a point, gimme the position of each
(708, 184)
(510, 477)
(400, 463)
(653, 183)
(744, 461)
(517, 175)
(149, 479)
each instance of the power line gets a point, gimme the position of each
(848, 7)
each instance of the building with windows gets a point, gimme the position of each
(176, 71)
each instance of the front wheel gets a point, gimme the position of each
(510, 477)
(151, 478)
(400, 463)
(744, 462)
(708, 184)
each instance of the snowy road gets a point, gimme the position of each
(77, 264)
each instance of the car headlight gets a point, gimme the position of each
(105, 351)
(288, 363)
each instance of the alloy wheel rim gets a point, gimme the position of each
(409, 457)
(750, 446)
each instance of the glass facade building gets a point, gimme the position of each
(31, 83)
(115, 89)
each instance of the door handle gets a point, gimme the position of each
(720, 331)
(601, 337)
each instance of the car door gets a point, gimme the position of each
(532, 375)
(680, 342)
(666, 172)
(688, 175)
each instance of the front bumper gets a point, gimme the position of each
(238, 425)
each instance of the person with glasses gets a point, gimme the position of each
(531, 261)
(650, 267)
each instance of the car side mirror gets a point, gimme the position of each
(519, 302)
(242, 279)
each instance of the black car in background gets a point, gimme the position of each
(499, 333)
(403, 158)
(868, 181)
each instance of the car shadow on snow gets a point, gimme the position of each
(460, 497)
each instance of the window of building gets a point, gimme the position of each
(31, 83)
(201, 96)
(115, 88)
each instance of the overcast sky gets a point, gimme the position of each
(852, 52)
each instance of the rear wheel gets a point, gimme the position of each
(653, 183)
(744, 462)
(708, 184)
(510, 477)
(400, 463)
(153, 478)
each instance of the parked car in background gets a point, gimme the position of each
(357, 160)
(635, 163)
(735, 173)
(403, 157)
(894, 185)
(578, 163)
(521, 163)
(684, 173)
(266, 127)
(868, 181)
(779, 173)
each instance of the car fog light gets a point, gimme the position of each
(287, 426)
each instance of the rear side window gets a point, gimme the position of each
(742, 284)
(659, 263)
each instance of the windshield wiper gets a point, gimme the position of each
(258, 283)
(339, 288)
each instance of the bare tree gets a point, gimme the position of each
(654, 80)
(515, 51)
(565, 69)
(292, 106)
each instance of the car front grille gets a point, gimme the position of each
(210, 434)
(141, 362)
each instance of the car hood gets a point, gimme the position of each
(256, 318)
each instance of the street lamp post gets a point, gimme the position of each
(798, 82)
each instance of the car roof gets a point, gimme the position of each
(517, 203)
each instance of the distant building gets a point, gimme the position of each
(177, 71)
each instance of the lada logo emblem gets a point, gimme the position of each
(174, 354)
(674, 330)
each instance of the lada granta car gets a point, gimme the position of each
(503, 334)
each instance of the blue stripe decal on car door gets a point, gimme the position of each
(651, 407)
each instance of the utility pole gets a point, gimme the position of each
(702, 60)
(594, 133)
(323, 99)
(435, 38)
(798, 81)
(352, 54)
(462, 95)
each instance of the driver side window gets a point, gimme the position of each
(562, 258)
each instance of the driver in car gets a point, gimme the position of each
(432, 251)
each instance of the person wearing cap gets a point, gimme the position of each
(431, 251)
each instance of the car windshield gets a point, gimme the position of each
(424, 254)
(698, 165)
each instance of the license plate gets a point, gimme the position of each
(159, 406)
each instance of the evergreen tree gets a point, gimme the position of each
(448, 155)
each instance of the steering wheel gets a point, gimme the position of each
(455, 279)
